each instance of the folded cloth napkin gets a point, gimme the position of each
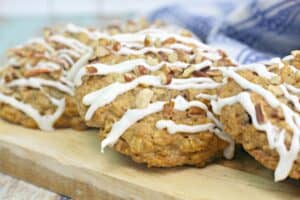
(248, 30)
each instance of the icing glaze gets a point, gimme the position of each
(173, 128)
(275, 135)
(44, 122)
(133, 115)
(75, 53)
(123, 67)
(42, 42)
(207, 96)
(129, 65)
(127, 120)
(131, 44)
(44, 65)
(154, 33)
(39, 82)
(107, 94)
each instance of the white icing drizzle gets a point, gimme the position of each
(128, 51)
(180, 47)
(133, 45)
(294, 69)
(44, 65)
(212, 55)
(69, 52)
(276, 61)
(44, 122)
(292, 98)
(157, 34)
(173, 128)
(79, 64)
(274, 134)
(75, 53)
(128, 38)
(39, 82)
(129, 43)
(244, 83)
(107, 94)
(126, 66)
(207, 96)
(260, 69)
(180, 104)
(42, 42)
(288, 58)
(127, 120)
(69, 83)
(77, 46)
(178, 81)
(70, 42)
(134, 37)
(78, 49)
(203, 64)
(292, 88)
(94, 35)
(12, 62)
(67, 58)
(129, 65)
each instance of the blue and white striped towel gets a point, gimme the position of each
(248, 30)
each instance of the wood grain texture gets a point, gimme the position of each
(13, 189)
(70, 163)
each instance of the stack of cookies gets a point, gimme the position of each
(157, 94)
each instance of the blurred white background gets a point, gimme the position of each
(23, 19)
(77, 7)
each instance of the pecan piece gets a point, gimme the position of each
(169, 78)
(147, 41)
(163, 56)
(116, 46)
(196, 111)
(7, 78)
(142, 69)
(277, 114)
(61, 62)
(259, 114)
(36, 72)
(91, 70)
(166, 78)
(205, 69)
(199, 73)
(168, 109)
(128, 77)
(170, 40)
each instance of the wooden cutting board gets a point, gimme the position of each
(70, 163)
(15, 189)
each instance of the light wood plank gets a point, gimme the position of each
(13, 189)
(70, 163)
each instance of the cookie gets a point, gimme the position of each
(259, 107)
(149, 96)
(36, 83)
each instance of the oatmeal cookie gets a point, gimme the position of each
(36, 83)
(259, 107)
(149, 94)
